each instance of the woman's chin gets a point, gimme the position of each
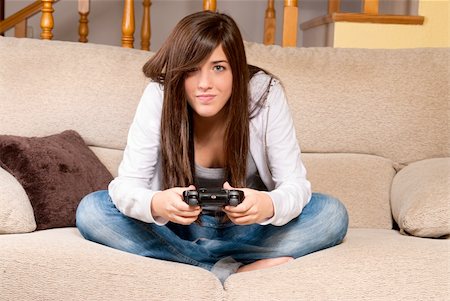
(207, 114)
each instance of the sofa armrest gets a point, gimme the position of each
(16, 213)
(420, 198)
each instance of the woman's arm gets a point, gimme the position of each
(131, 190)
(289, 190)
(292, 190)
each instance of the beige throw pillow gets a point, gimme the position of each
(16, 213)
(420, 198)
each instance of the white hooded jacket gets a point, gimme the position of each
(273, 146)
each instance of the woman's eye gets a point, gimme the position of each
(218, 68)
(193, 70)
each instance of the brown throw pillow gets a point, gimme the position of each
(56, 172)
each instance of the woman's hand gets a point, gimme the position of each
(169, 204)
(256, 207)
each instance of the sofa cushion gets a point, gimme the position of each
(421, 198)
(371, 264)
(16, 213)
(56, 172)
(59, 264)
(361, 182)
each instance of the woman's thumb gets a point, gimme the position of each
(227, 185)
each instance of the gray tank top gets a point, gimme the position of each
(210, 178)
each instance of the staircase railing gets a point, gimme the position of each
(128, 25)
(370, 14)
(2, 13)
(19, 19)
(290, 19)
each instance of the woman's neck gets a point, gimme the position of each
(208, 128)
(209, 134)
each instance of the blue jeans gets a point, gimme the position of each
(214, 245)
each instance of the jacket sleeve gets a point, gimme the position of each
(131, 190)
(292, 190)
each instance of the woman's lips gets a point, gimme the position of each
(205, 98)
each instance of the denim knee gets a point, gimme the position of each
(89, 211)
(322, 224)
(335, 213)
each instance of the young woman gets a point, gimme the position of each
(207, 119)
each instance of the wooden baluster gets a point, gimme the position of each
(83, 27)
(20, 30)
(370, 7)
(209, 5)
(290, 23)
(2, 13)
(47, 22)
(334, 6)
(269, 24)
(128, 24)
(146, 30)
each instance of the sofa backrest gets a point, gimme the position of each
(49, 86)
(390, 103)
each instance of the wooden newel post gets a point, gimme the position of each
(334, 6)
(210, 5)
(371, 7)
(269, 24)
(146, 31)
(47, 22)
(128, 24)
(83, 27)
(290, 23)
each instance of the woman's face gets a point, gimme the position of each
(208, 87)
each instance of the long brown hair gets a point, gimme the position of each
(193, 39)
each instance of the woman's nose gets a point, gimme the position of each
(204, 81)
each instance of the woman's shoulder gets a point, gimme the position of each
(152, 99)
(261, 86)
(154, 87)
(153, 93)
(260, 78)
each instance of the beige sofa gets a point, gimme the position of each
(374, 130)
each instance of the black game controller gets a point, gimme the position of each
(213, 197)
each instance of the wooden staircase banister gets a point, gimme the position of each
(128, 25)
(47, 21)
(290, 21)
(269, 23)
(83, 23)
(370, 14)
(2, 10)
(371, 7)
(21, 15)
(334, 6)
(363, 18)
(146, 30)
(2, 14)
(210, 5)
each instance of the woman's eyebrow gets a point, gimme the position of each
(219, 61)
